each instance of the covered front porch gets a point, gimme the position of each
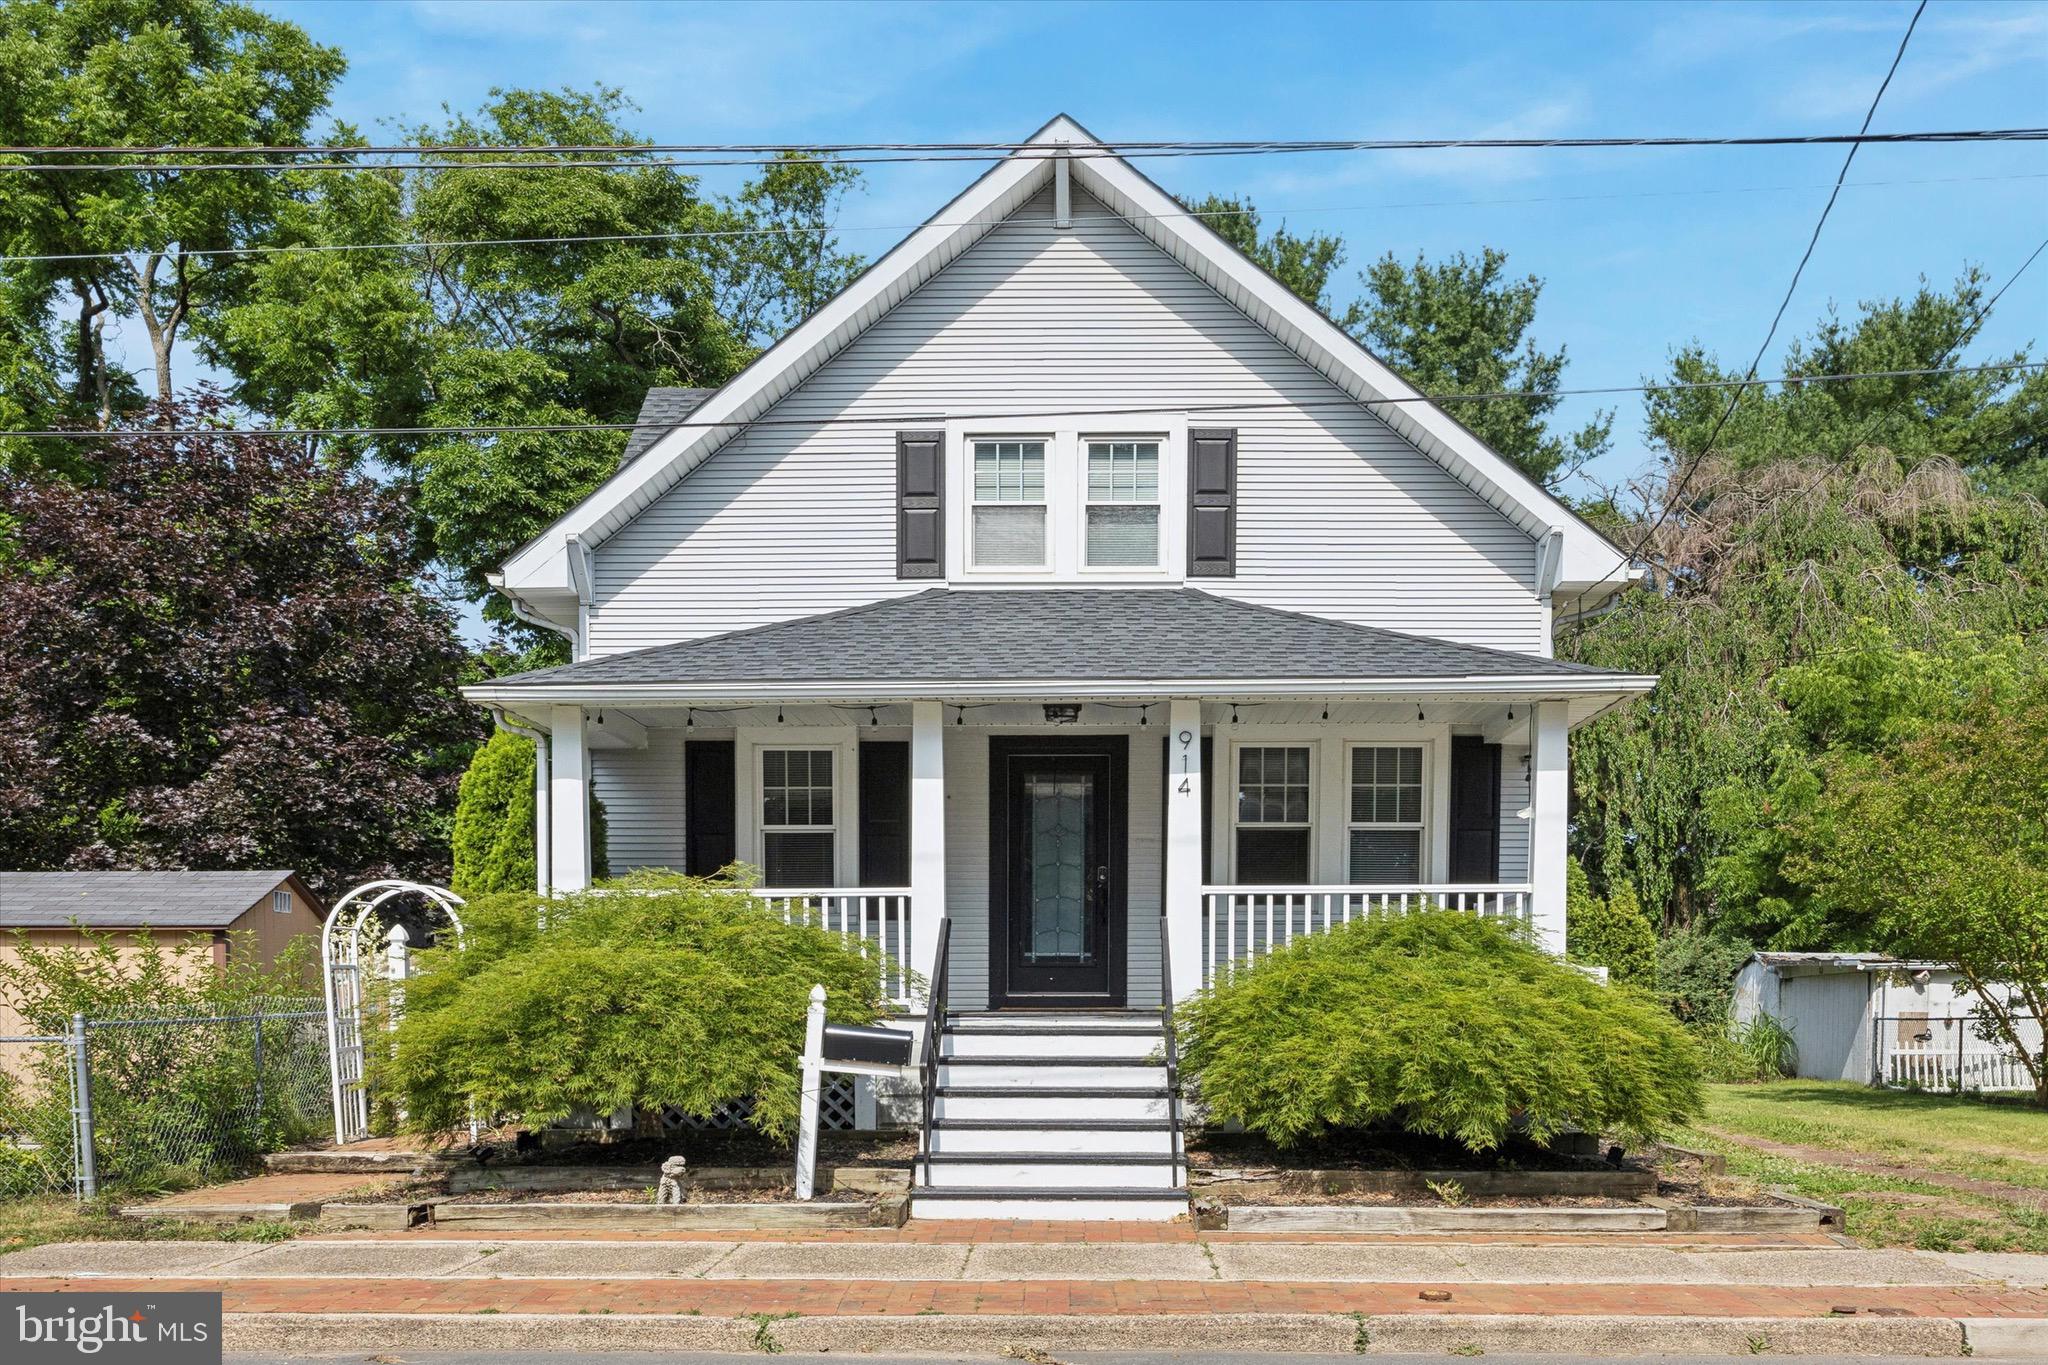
(1089, 839)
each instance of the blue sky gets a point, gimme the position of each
(1639, 249)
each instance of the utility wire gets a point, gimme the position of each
(1699, 455)
(911, 419)
(643, 157)
(1005, 224)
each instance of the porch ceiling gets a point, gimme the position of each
(1078, 642)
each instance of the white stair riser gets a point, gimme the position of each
(1046, 1176)
(1052, 1141)
(1053, 1210)
(1081, 1075)
(1028, 1108)
(1029, 1021)
(1052, 1044)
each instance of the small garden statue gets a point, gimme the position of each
(670, 1191)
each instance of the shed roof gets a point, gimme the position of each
(1848, 962)
(1073, 635)
(131, 900)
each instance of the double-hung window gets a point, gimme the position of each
(1009, 505)
(798, 842)
(1123, 505)
(1386, 814)
(1272, 818)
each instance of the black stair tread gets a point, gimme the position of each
(1161, 1124)
(1106, 1029)
(1051, 1158)
(1050, 1061)
(1069, 1193)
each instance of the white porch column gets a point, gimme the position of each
(927, 833)
(1549, 793)
(569, 785)
(543, 808)
(1183, 889)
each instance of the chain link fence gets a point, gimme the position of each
(147, 1104)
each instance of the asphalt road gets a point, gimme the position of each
(1064, 1358)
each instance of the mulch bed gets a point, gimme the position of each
(1382, 1150)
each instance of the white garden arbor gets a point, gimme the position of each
(362, 922)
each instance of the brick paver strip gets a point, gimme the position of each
(960, 1232)
(729, 1298)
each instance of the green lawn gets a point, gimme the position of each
(59, 1218)
(1985, 1140)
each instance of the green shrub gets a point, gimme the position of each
(1696, 973)
(1446, 1023)
(494, 820)
(1760, 1050)
(656, 991)
(1613, 933)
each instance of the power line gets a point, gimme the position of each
(926, 418)
(1005, 224)
(1673, 497)
(639, 157)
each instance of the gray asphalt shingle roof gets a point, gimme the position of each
(659, 412)
(1065, 634)
(125, 900)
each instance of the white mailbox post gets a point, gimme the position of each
(850, 1051)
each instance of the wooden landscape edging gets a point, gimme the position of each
(541, 1217)
(543, 1179)
(1613, 1183)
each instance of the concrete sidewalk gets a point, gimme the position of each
(334, 1294)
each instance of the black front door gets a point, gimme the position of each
(1057, 823)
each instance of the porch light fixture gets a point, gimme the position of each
(1233, 713)
(1062, 712)
(1511, 713)
(1144, 715)
(689, 720)
(1326, 712)
(959, 715)
(1419, 715)
(778, 715)
(873, 719)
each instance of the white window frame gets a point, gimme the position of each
(750, 828)
(1425, 808)
(1048, 500)
(1066, 484)
(1086, 501)
(281, 901)
(1229, 793)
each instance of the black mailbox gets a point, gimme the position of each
(875, 1046)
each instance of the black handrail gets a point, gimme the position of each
(934, 1025)
(1172, 1050)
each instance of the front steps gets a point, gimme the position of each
(1055, 1116)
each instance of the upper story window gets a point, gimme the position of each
(1065, 503)
(1386, 813)
(1123, 505)
(1009, 505)
(281, 901)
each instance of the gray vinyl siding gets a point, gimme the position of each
(1337, 515)
(642, 792)
(967, 868)
(1514, 830)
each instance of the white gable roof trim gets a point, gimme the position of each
(541, 569)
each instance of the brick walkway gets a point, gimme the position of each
(1087, 1298)
(951, 1233)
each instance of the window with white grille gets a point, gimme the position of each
(1272, 818)
(1385, 828)
(1122, 505)
(798, 818)
(1009, 505)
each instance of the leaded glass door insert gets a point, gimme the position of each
(1056, 833)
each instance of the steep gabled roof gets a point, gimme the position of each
(546, 569)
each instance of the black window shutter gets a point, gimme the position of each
(920, 504)
(885, 813)
(1475, 809)
(708, 813)
(1212, 503)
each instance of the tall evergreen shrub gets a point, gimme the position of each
(494, 820)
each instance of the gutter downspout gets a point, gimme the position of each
(543, 812)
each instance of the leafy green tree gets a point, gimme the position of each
(685, 994)
(1760, 570)
(1451, 1025)
(1611, 933)
(136, 72)
(1696, 967)
(1304, 263)
(1941, 844)
(494, 821)
(1462, 326)
(669, 287)
(1994, 423)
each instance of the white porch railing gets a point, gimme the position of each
(1241, 924)
(878, 918)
